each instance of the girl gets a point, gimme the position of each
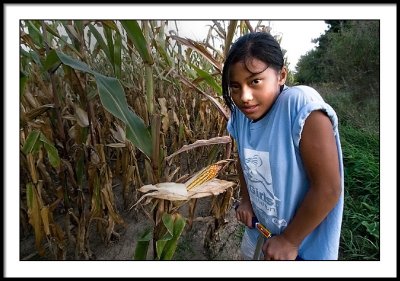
(290, 158)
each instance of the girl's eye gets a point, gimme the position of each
(256, 81)
(233, 87)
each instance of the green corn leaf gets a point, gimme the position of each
(135, 34)
(168, 221)
(110, 43)
(209, 79)
(52, 152)
(170, 247)
(160, 244)
(117, 55)
(22, 82)
(51, 30)
(162, 52)
(52, 61)
(76, 64)
(36, 58)
(113, 99)
(100, 40)
(29, 195)
(35, 33)
(142, 245)
(32, 143)
(62, 39)
(111, 24)
(168, 224)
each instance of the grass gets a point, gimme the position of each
(359, 134)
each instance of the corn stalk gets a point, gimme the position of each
(125, 95)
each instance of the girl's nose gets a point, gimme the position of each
(246, 94)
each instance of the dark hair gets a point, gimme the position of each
(258, 45)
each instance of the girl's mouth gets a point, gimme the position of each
(249, 109)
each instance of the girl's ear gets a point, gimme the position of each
(283, 75)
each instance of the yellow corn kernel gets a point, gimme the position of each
(208, 174)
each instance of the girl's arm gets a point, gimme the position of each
(320, 157)
(244, 212)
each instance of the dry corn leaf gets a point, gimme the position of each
(212, 187)
(168, 187)
(118, 134)
(166, 190)
(31, 99)
(81, 117)
(199, 143)
(44, 212)
(116, 145)
(32, 114)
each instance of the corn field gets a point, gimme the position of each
(130, 103)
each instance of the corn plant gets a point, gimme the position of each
(105, 102)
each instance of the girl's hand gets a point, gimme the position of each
(279, 248)
(244, 213)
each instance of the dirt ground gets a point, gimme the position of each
(199, 243)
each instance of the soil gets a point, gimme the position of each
(206, 239)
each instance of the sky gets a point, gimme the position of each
(385, 267)
(296, 35)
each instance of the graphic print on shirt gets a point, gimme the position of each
(257, 171)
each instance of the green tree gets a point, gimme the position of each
(348, 55)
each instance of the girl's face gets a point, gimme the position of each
(254, 87)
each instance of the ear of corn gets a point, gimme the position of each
(207, 174)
